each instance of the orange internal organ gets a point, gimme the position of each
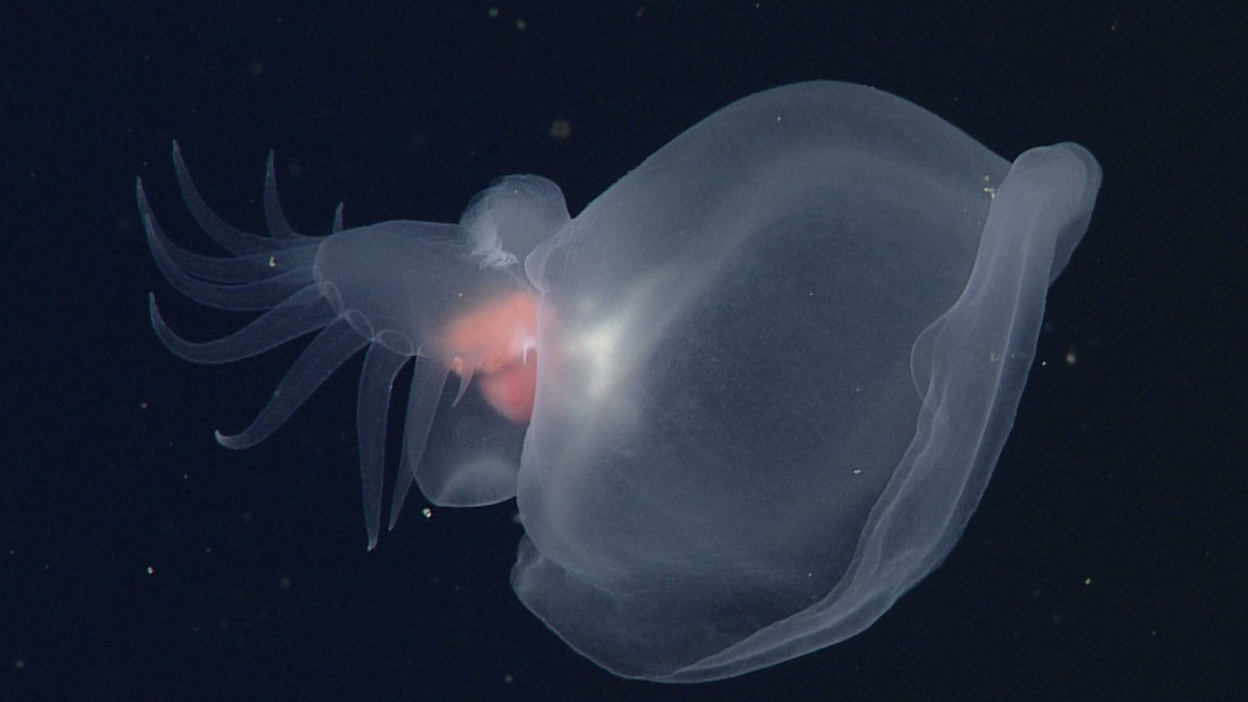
(493, 345)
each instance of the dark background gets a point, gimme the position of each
(140, 561)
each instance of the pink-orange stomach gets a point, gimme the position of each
(496, 344)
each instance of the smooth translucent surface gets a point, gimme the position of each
(776, 364)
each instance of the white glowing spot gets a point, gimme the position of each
(599, 348)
